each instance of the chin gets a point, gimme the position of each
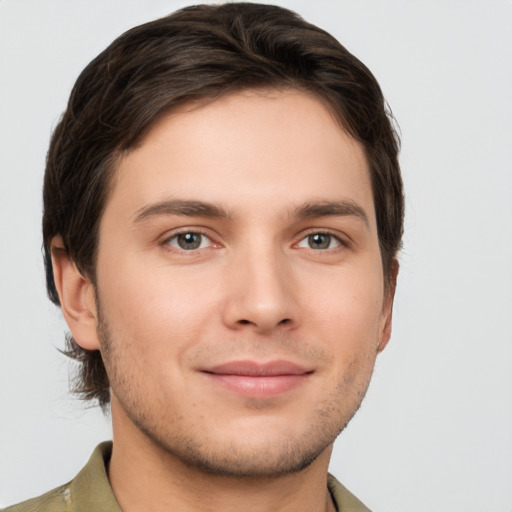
(238, 460)
(256, 451)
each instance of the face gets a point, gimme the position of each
(240, 291)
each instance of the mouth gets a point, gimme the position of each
(258, 380)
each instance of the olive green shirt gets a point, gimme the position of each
(90, 491)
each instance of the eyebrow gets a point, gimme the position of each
(331, 208)
(183, 208)
(204, 209)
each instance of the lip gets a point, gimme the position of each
(258, 380)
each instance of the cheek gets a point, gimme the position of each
(163, 307)
(348, 305)
(347, 316)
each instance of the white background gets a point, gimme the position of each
(435, 431)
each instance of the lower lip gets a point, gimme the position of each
(258, 387)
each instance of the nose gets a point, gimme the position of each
(260, 293)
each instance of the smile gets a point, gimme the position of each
(256, 380)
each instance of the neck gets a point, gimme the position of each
(144, 476)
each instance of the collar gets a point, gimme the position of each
(90, 490)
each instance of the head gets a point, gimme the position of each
(154, 88)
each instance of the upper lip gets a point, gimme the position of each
(255, 369)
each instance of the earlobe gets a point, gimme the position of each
(76, 296)
(387, 310)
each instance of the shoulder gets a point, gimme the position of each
(345, 501)
(53, 501)
(89, 491)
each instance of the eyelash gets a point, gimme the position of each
(167, 241)
(324, 232)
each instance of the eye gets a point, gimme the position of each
(320, 241)
(189, 241)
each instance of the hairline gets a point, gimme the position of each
(114, 160)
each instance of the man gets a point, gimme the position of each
(222, 214)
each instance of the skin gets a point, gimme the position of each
(259, 287)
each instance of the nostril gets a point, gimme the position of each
(284, 321)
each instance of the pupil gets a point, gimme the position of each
(319, 241)
(189, 241)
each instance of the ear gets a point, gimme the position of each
(387, 308)
(76, 296)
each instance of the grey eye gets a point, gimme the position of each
(189, 241)
(319, 241)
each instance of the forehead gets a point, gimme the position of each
(247, 148)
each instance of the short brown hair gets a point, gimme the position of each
(200, 52)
